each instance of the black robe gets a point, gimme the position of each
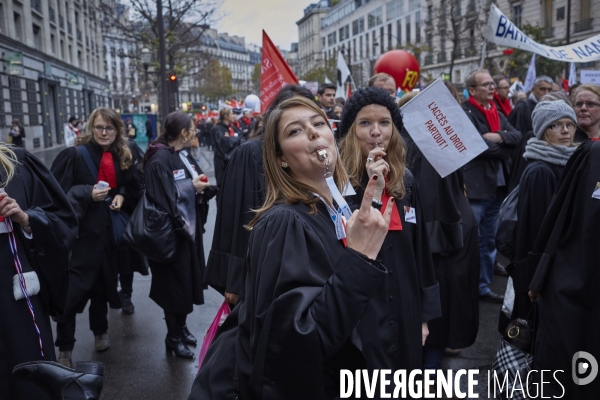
(54, 229)
(454, 244)
(224, 145)
(411, 291)
(536, 190)
(93, 255)
(309, 308)
(566, 253)
(517, 162)
(243, 190)
(520, 117)
(177, 286)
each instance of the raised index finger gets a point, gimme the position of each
(365, 206)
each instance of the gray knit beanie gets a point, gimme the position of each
(548, 112)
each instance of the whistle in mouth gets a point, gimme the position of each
(322, 154)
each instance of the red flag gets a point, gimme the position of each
(275, 73)
(348, 92)
(565, 85)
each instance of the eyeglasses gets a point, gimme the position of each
(100, 128)
(487, 84)
(560, 127)
(588, 104)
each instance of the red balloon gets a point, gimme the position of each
(402, 66)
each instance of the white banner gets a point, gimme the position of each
(589, 76)
(505, 33)
(441, 129)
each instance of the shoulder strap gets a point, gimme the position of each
(88, 160)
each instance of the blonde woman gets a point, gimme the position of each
(35, 211)
(92, 267)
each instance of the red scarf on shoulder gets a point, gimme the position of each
(491, 115)
(395, 221)
(504, 104)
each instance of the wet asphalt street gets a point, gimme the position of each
(138, 367)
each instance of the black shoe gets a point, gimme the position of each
(492, 297)
(62, 383)
(178, 348)
(187, 337)
(128, 307)
(500, 269)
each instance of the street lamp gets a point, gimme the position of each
(146, 60)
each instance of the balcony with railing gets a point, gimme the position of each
(457, 53)
(441, 57)
(583, 25)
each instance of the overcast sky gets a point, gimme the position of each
(248, 18)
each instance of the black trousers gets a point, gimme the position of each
(174, 324)
(65, 327)
(126, 281)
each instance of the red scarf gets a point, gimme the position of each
(106, 172)
(231, 132)
(504, 104)
(247, 121)
(491, 115)
(395, 222)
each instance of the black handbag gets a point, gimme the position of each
(151, 232)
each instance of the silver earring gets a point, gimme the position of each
(183, 140)
(284, 164)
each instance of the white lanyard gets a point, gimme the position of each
(337, 218)
(183, 155)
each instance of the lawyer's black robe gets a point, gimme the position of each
(93, 255)
(536, 191)
(224, 145)
(309, 308)
(567, 275)
(411, 292)
(54, 228)
(520, 119)
(454, 243)
(242, 190)
(177, 286)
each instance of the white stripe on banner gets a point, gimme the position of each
(505, 33)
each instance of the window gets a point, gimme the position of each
(443, 40)
(2, 111)
(394, 9)
(360, 43)
(517, 15)
(457, 75)
(2, 30)
(408, 29)
(367, 45)
(398, 32)
(53, 43)
(16, 101)
(342, 34)
(354, 48)
(389, 30)
(374, 43)
(357, 3)
(374, 18)
(586, 9)
(418, 27)
(18, 26)
(560, 13)
(36, 37)
(414, 5)
(32, 103)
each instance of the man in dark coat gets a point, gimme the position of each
(246, 124)
(501, 96)
(486, 175)
(43, 247)
(520, 118)
(17, 133)
(566, 275)
(326, 96)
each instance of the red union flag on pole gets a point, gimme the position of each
(275, 73)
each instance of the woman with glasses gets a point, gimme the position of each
(95, 175)
(171, 174)
(587, 109)
(547, 153)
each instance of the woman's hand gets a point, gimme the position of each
(200, 183)
(424, 333)
(533, 295)
(117, 203)
(99, 194)
(367, 228)
(376, 165)
(10, 208)
(231, 298)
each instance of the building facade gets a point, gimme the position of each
(309, 37)
(53, 66)
(363, 30)
(120, 60)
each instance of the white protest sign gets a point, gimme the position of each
(441, 129)
(502, 31)
(589, 76)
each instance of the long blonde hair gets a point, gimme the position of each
(281, 186)
(395, 156)
(119, 147)
(8, 159)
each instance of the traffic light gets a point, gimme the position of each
(173, 77)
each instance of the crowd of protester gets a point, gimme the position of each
(336, 244)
